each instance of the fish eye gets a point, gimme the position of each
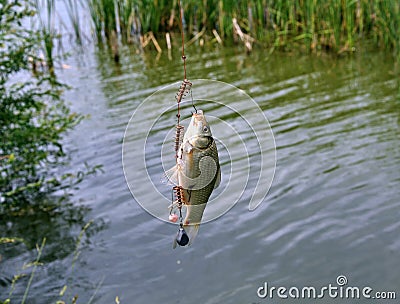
(205, 129)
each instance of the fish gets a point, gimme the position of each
(197, 171)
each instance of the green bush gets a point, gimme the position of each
(33, 117)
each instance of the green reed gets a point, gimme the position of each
(45, 18)
(35, 265)
(336, 25)
(73, 8)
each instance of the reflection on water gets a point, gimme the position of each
(334, 203)
(61, 224)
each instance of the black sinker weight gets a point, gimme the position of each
(182, 238)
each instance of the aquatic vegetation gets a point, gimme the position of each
(315, 24)
(33, 116)
(72, 8)
(45, 15)
(17, 287)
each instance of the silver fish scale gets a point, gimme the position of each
(197, 199)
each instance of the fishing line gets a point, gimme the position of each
(178, 198)
(183, 39)
(185, 82)
(194, 107)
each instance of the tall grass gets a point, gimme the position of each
(72, 8)
(46, 18)
(64, 293)
(315, 24)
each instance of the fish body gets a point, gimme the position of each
(197, 171)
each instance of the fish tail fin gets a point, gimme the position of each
(192, 231)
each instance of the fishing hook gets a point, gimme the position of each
(191, 96)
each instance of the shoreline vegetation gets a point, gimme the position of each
(308, 25)
(36, 183)
(34, 117)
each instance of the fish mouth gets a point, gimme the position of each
(199, 116)
(198, 113)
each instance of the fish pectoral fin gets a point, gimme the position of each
(218, 180)
(171, 176)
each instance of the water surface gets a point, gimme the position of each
(333, 208)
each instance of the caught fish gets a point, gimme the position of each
(197, 171)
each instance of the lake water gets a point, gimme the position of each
(333, 207)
